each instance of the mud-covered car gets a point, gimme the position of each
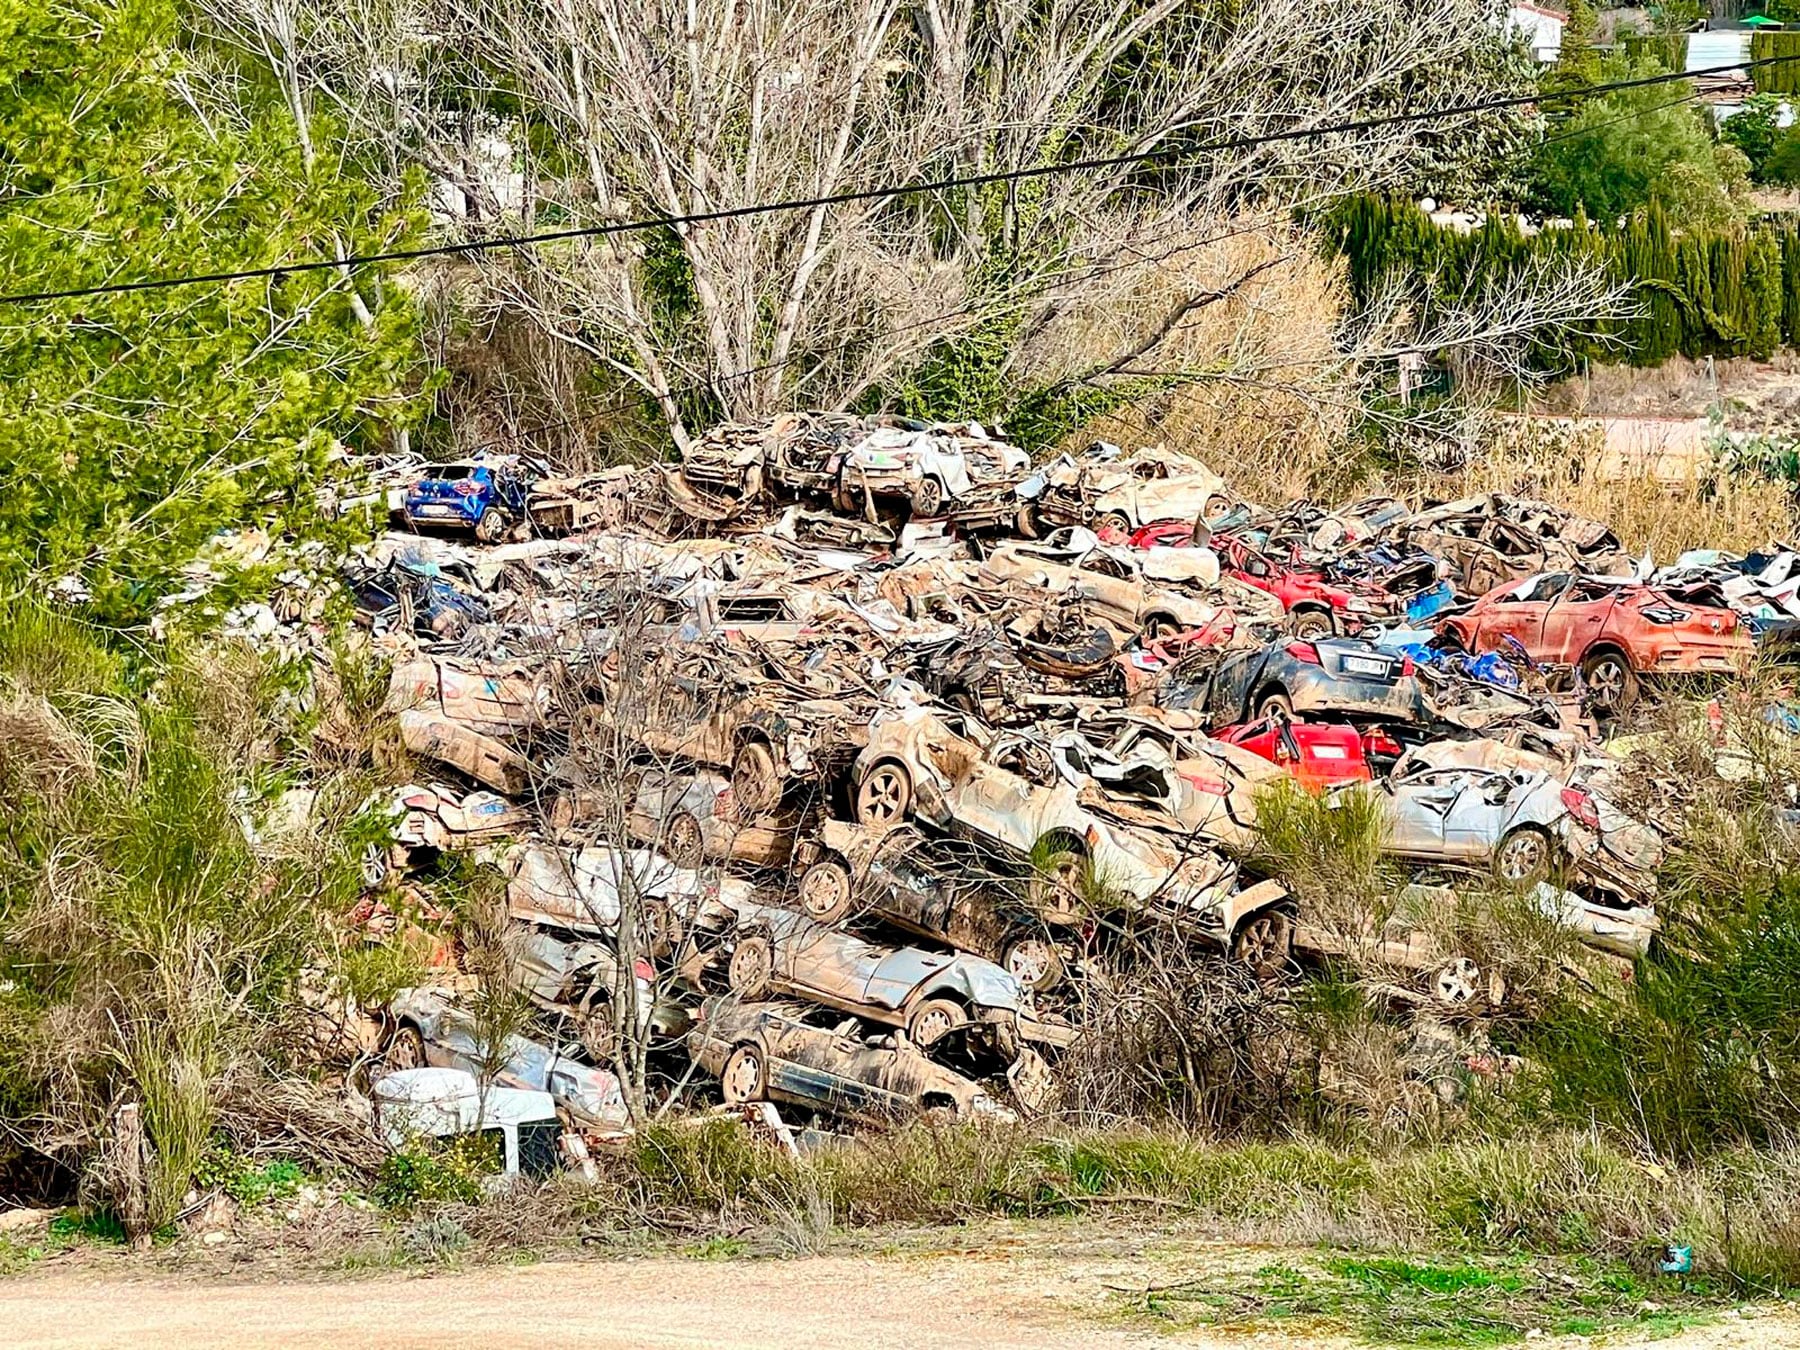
(578, 980)
(1011, 792)
(770, 1052)
(585, 890)
(938, 888)
(1326, 677)
(691, 818)
(1524, 823)
(722, 472)
(430, 1030)
(929, 465)
(439, 819)
(1107, 489)
(1492, 539)
(931, 995)
(1117, 588)
(1615, 632)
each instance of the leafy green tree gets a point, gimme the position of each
(1755, 130)
(1578, 63)
(135, 426)
(1613, 154)
(1783, 164)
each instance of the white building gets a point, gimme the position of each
(1542, 29)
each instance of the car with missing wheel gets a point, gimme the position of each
(941, 888)
(931, 995)
(777, 1052)
(928, 465)
(1526, 824)
(1118, 843)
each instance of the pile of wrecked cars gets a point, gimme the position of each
(835, 757)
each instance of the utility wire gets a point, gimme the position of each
(876, 193)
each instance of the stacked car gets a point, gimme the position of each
(840, 757)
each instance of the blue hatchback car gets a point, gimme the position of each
(479, 495)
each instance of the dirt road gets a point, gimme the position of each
(923, 1303)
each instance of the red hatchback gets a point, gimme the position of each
(1319, 755)
(1316, 606)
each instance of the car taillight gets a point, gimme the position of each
(1304, 651)
(1663, 614)
(1406, 667)
(1581, 805)
(642, 969)
(1380, 743)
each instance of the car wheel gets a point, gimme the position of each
(405, 1049)
(492, 525)
(1457, 983)
(1026, 523)
(1160, 627)
(752, 966)
(1612, 685)
(1264, 943)
(683, 840)
(1276, 704)
(825, 891)
(1217, 507)
(594, 1029)
(1307, 624)
(755, 781)
(743, 1077)
(375, 865)
(1032, 960)
(1523, 857)
(1113, 520)
(933, 1020)
(928, 497)
(884, 797)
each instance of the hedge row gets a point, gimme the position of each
(1700, 293)
(1781, 79)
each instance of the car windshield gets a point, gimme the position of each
(449, 473)
(537, 1147)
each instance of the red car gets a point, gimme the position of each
(1317, 607)
(1615, 632)
(1319, 755)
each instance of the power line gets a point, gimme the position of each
(874, 193)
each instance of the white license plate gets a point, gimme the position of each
(1329, 752)
(1366, 665)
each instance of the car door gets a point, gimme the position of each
(1519, 613)
(1477, 817)
(1421, 806)
(896, 974)
(1574, 620)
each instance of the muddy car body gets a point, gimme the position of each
(949, 772)
(929, 994)
(1491, 540)
(770, 1052)
(439, 819)
(929, 466)
(691, 818)
(1524, 823)
(1105, 489)
(436, 1032)
(1113, 587)
(725, 467)
(1315, 605)
(1323, 678)
(1319, 755)
(578, 979)
(937, 888)
(1614, 633)
(584, 890)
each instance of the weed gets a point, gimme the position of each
(436, 1238)
(429, 1172)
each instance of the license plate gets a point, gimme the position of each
(1366, 665)
(1329, 752)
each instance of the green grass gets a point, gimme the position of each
(1404, 1301)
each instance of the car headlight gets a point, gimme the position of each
(1360, 607)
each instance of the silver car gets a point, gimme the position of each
(930, 994)
(1522, 822)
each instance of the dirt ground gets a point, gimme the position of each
(999, 1298)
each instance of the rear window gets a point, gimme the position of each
(450, 472)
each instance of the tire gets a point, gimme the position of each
(594, 1029)
(755, 781)
(1611, 683)
(1032, 960)
(374, 866)
(405, 1049)
(928, 498)
(1264, 942)
(491, 528)
(752, 967)
(933, 1020)
(825, 891)
(684, 842)
(1457, 984)
(1307, 624)
(1113, 520)
(1026, 523)
(1217, 507)
(744, 1077)
(884, 797)
(1275, 704)
(1524, 856)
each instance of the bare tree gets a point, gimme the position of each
(592, 112)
